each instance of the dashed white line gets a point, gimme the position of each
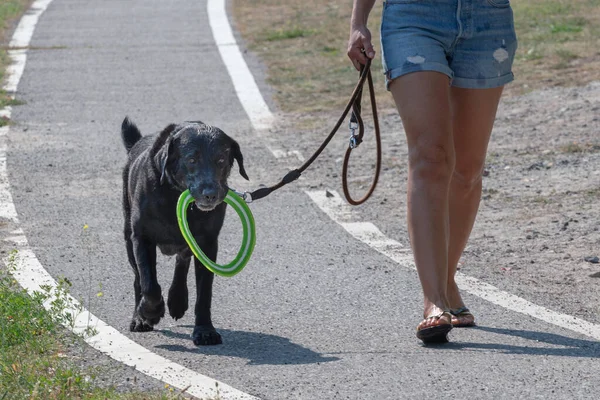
(335, 207)
(289, 153)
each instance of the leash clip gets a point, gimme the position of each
(244, 195)
(353, 126)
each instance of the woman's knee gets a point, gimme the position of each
(432, 163)
(467, 179)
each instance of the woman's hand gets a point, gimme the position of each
(359, 46)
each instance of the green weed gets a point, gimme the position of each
(284, 34)
(575, 25)
(33, 361)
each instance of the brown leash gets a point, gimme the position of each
(356, 123)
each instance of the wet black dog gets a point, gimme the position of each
(160, 167)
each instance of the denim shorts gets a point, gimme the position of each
(471, 41)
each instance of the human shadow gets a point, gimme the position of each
(257, 348)
(570, 347)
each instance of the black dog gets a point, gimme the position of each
(160, 167)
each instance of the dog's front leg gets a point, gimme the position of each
(137, 323)
(204, 332)
(152, 306)
(178, 292)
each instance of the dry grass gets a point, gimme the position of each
(304, 47)
(559, 43)
(10, 10)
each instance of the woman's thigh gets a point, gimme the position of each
(473, 114)
(423, 101)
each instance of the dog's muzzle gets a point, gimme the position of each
(207, 198)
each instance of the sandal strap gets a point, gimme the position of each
(440, 315)
(459, 311)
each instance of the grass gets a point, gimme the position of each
(559, 45)
(9, 11)
(38, 355)
(574, 148)
(283, 34)
(35, 360)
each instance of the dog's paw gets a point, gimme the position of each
(177, 302)
(206, 336)
(138, 325)
(151, 311)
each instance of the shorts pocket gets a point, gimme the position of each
(499, 3)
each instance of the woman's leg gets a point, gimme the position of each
(473, 114)
(423, 101)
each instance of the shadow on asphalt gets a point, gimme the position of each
(257, 348)
(569, 347)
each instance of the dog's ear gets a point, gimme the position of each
(161, 149)
(164, 159)
(236, 154)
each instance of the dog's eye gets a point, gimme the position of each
(221, 161)
(192, 161)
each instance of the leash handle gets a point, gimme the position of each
(356, 139)
(353, 103)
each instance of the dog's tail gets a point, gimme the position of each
(129, 133)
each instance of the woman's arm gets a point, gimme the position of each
(360, 37)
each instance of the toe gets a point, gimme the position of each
(443, 318)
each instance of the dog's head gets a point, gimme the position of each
(197, 157)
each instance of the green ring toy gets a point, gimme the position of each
(248, 240)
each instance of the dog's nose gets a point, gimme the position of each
(209, 194)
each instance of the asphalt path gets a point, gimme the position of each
(306, 319)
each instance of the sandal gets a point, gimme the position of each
(435, 333)
(462, 318)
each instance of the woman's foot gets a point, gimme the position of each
(462, 317)
(435, 328)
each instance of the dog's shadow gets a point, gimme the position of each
(257, 348)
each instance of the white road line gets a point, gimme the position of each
(289, 153)
(32, 276)
(336, 208)
(243, 80)
(244, 83)
(7, 207)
